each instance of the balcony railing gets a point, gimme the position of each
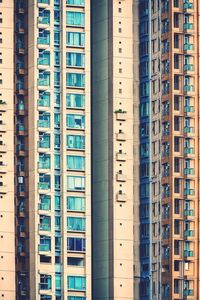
(189, 150)
(189, 108)
(44, 20)
(188, 67)
(44, 185)
(188, 26)
(43, 247)
(44, 102)
(44, 165)
(43, 123)
(188, 88)
(188, 253)
(188, 129)
(189, 192)
(188, 46)
(43, 61)
(45, 227)
(189, 212)
(189, 171)
(44, 206)
(188, 233)
(44, 144)
(43, 41)
(188, 292)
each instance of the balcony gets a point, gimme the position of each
(20, 27)
(20, 8)
(188, 253)
(188, 88)
(189, 192)
(188, 26)
(188, 5)
(43, 124)
(188, 67)
(20, 68)
(43, 22)
(188, 292)
(189, 171)
(44, 144)
(43, 63)
(188, 233)
(21, 231)
(44, 186)
(43, 42)
(188, 129)
(43, 84)
(20, 47)
(20, 109)
(188, 47)
(44, 227)
(121, 197)
(20, 129)
(43, 3)
(189, 212)
(21, 250)
(20, 150)
(44, 206)
(20, 89)
(44, 248)
(189, 150)
(44, 165)
(189, 108)
(44, 103)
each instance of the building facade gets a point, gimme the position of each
(52, 149)
(99, 149)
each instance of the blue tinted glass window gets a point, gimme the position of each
(75, 141)
(76, 244)
(75, 183)
(75, 162)
(77, 283)
(76, 203)
(76, 121)
(75, 18)
(75, 39)
(75, 224)
(76, 2)
(76, 80)
(75, 59)
(75, 100)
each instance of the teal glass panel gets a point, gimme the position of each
(75, 100)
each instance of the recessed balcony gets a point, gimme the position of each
(44, 206)
(189, 192)
(44, 186)
(188, 88)
(20, 68)
(43, 84)
(43, 63)
(20, 47)
(188, 26)
(20, 90)
(188, 47)
(188, 5)
(43, 42)
(20, 129)
(20, 27)
(188, 253)
(20, 150)
(188, 129)
(43, 166)
(188, 233)
(43, 22)
(188, 67)
(44, 227)
(189, 212)
(43, 124)
(189, 171)
(189, 150)
(189, 109)
(188, 292)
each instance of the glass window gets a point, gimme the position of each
(75, 59)
(75, 141)
(76, 244)
(76, 80)
(57, 161)
(77, 283)
(58, 281)
(76, 121)
(75, 183)
(75, 18)
(76, 2)
(75, 100)
(75, 224)
(75, 162)
(76, 203)
(75, 39)
(57, 202)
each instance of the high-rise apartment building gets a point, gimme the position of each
(99, 120)
(45, 95)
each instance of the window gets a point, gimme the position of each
(75, 39)
(75, 224)
(75, 162)
(76, 203)
(76, 2)
(75, 100)
(144, 109)
(75, 18)
(76, 80)
(45, 282)
(75, 183)
(76, 121)
(75, 59)
(176, 227)
(75, 142)
(176, 61)
(176, 144)
(76, 298)
(75, 261)
(76, 244)
(77, 283)
(176, 41)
